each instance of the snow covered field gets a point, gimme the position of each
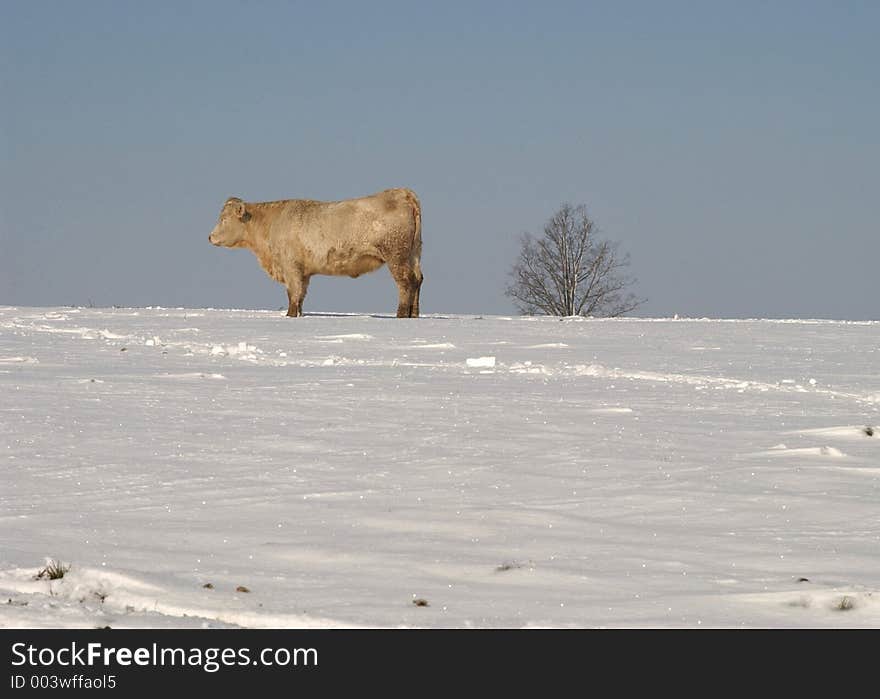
(507, 471)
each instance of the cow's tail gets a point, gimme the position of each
(416, 244)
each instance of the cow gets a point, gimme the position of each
(294, 239)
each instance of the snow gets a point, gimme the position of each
(657, 472)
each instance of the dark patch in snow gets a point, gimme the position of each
(512, 565)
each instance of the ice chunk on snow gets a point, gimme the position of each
(528, 368)
(243, 349)
(481, 362)
(436, 345)
(347, 336)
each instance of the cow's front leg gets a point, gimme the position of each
(296, 293)
(294, 308)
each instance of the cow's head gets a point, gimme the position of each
(230, 229)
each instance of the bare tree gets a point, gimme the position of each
(568, 271)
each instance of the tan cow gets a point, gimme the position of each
(296, 238)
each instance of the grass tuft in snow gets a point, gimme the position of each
(869, 431)
(845, 604)
(54, 570)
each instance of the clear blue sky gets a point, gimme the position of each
(732, 148)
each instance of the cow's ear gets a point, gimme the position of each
(241, 211)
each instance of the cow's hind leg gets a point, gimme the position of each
(415, 307)
(407, 289)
